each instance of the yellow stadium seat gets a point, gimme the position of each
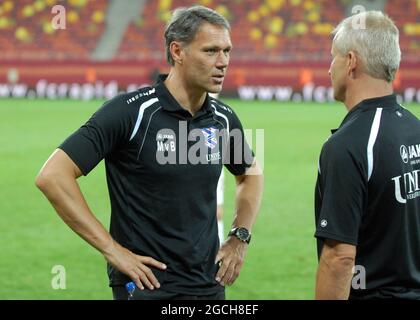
(223, 10)
(28, 11)
(98, 16)
(164, 5)
(8, 6)
(72, 16)
(275, 5)
(270, 41)
(78, 3)
(47, 27)
(206, 3)
(253, 16)
(39, 5)
(323, 28)
(255, 34)
(22, 34)
(275, 25)
(264, 10)
(412, 29)
(4, 23)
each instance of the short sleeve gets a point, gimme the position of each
(107, 129)
(239, 156)
(342, 188)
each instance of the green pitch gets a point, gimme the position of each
(281, 259)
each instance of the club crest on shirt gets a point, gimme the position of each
(210, 135)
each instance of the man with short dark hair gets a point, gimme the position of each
(367, 199)
(164, 147)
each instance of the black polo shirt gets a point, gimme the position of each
(162, 167)
(368, 195)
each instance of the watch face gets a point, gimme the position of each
(243, 233)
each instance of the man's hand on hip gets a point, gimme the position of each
(134, 266)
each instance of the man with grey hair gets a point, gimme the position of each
(367, 199)
(163, 241)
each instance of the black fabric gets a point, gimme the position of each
(166, 211)
(381, 214)
(120, 293)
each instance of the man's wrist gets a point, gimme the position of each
(241, 233)
(109, 247)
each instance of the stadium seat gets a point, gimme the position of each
(279, 30)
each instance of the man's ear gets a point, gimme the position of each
(176, 51)
(352, 63)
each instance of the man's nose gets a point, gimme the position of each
(222, 60)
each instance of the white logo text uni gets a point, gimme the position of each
(407, 186)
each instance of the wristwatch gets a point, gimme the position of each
(241, 233)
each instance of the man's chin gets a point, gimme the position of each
(339, 96)
(214, 89)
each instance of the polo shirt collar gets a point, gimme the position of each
(388, 101)
(377, 102)
(169, 103)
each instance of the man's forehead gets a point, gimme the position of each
(214, 34)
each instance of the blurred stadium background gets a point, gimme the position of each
(52, 80)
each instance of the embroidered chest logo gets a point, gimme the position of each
(210, 135)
